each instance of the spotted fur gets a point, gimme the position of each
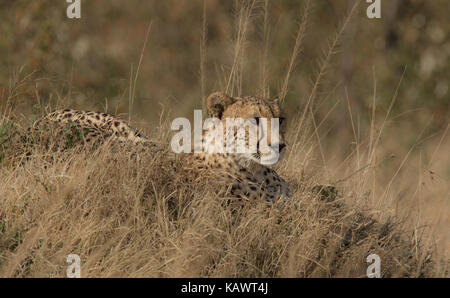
(87, 127)
(248, 179)
(95, 124)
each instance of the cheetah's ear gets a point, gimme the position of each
(275, 104)
(217, 103)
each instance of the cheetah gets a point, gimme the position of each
(91, 127)
(247, 177)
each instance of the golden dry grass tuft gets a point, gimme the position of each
(146, 215)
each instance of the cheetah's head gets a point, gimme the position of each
(265, 117)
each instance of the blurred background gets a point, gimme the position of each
(90, 63)
(92, 57)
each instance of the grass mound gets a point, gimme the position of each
(148, 215)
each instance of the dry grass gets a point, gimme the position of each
(136, 216)
(147, 215)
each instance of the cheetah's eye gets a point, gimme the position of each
(281, 120)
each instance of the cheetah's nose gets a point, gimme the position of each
(281, 147)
